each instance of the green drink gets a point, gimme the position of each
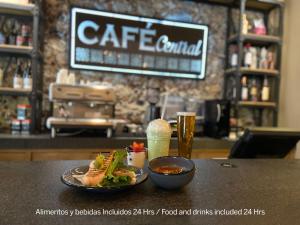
(158, 138)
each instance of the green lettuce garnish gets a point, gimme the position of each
(118, 161)
(99, 161)
(115, 181)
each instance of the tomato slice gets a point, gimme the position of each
(137, 147)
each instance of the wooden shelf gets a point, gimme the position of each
(271, 40)
(32, 12)
(256, 39)
(14, 49)
(14, 92)
(17, 9)
(263, 4)
(257, 104)
(249, 71)
(250, 4)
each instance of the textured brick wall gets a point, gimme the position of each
(132, 89)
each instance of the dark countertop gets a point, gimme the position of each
(44, 141)
(270, 185)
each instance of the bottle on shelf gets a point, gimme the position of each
(270, 60)
(29, 41)
(244, 89)
(263, 62)
(1, 77)
(25, 30)
(18, 80)
(265, 92)
(253, 57)
(245, 24)
(253, 91)
(256, 117)
(247, 56)
(234, 57)
(27, 78)
(2, 38)
(12, 36)
(20, 39)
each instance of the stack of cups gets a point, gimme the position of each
(158, 138)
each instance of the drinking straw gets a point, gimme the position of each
(164, 106)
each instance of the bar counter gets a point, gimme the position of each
(44, 141)
(43, 147)
(270, 188)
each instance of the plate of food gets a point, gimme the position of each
(105, 174)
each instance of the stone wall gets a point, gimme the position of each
(132, 90)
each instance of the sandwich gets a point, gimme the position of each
(108, 171)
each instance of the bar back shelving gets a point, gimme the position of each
(236, 36)
(32, 12)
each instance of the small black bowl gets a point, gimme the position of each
(172, 181)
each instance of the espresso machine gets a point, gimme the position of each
(81, 107)
(171, 104)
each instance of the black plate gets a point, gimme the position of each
(68, 179)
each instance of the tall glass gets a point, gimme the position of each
(158, 138)
(185, 133)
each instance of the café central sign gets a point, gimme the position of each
(112, 42)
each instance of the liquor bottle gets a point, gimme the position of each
(265, 93)
(253, 57)
(245, 24)
(18, 80)
(234, 57)
(253, 91)
(1, 77)
(25, 30)
(13, 36)
(27, 78)
(247, 56)
(20, 39)
(263, 61)
(244, 89)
